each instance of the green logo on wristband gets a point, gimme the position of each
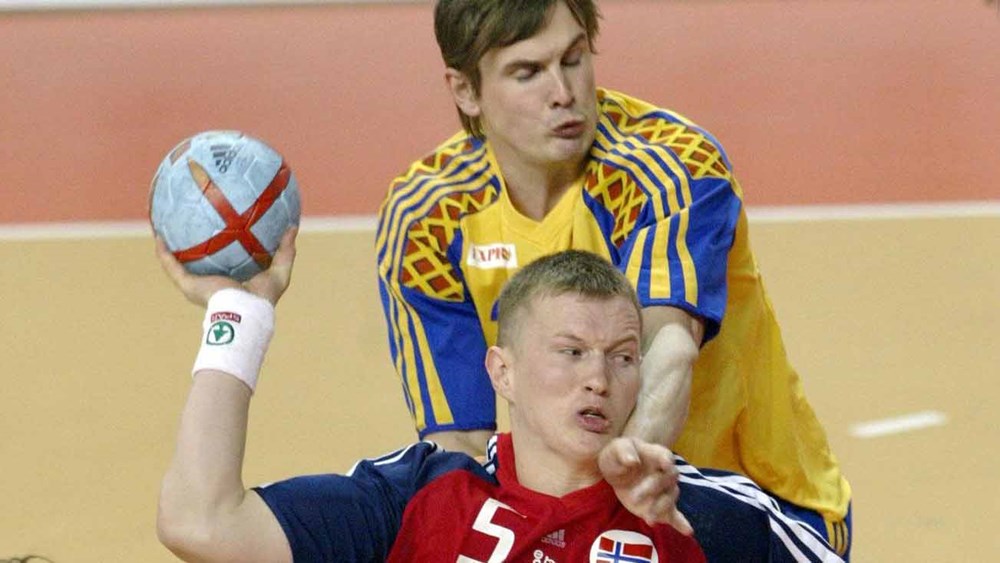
(220, 333)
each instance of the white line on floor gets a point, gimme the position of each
(367, 223)
(899, 424)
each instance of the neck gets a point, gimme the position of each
(545, 471)
(535, 189)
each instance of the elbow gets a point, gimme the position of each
(675, 347)
(175, 540)
(673, 332)
(182, 530)
(181, 537)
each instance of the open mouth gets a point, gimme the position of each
(592, 419)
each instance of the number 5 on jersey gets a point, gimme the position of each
(484, 524)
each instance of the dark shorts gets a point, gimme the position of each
(837, 533)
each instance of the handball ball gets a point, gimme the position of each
(221, 200)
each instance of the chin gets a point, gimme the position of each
(569, 151)
(589, 445)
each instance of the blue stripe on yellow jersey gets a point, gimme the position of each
(658, 199)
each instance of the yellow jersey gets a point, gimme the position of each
(658, 199)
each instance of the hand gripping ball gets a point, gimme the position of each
(221, 200)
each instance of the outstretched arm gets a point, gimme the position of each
(205, 512)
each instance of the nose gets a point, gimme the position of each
(562, 94)
(596, 375)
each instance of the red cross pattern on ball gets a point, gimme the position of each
(238, 225)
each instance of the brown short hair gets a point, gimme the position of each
(467, 29)
(569, 271)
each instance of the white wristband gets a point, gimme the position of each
(237, 330)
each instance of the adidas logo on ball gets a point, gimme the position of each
(223, 156)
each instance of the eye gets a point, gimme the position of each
(573, 352)
(573, 58)
(525, 73)
(624, 358)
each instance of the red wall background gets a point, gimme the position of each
(816, 101)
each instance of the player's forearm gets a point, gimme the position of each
(203, 481)
(665, 394)
(671, 342)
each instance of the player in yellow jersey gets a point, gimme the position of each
(548, 161)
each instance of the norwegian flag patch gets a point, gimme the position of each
(621, 546)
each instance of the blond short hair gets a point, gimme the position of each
(570, 271)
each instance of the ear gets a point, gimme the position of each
(498, 365)
(462, 92)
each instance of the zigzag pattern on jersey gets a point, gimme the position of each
(424, 269)
(701, 157)
(439, 159)
(423, 265)
(615, 191)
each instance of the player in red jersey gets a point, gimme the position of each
(566, 362)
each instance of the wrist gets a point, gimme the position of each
(237, 330)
